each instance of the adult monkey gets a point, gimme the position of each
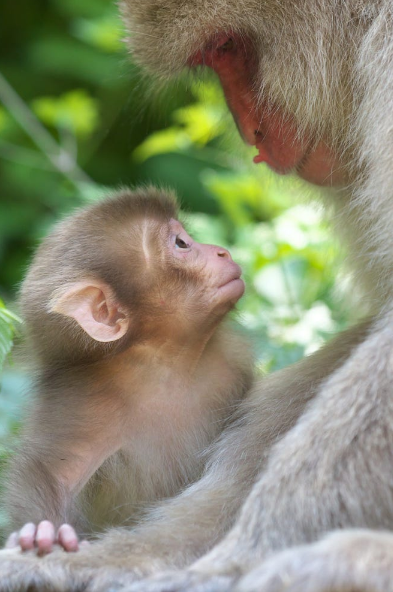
(315, 81)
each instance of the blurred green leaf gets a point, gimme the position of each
(3, 118)
(195, 125)
(105, 33)
(74, 110)
(163, 141)
(201, 122)
(68, 57)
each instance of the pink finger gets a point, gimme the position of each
(68, 538)
(27, 536)
(12, 541)
(45, 537)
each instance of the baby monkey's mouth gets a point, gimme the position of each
(234, 273)
(264, 124)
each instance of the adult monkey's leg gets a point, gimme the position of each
(347, 560)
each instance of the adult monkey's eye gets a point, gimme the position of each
(180, 243)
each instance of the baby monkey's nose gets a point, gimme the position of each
(224, 253)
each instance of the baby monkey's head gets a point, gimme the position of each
(124, 271)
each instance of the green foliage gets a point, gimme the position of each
(289, 305)
(193, 126)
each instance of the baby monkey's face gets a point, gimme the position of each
(212, 267)
(153, 282)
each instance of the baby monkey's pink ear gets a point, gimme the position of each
(94, 307)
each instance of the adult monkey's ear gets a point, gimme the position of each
(94, 307)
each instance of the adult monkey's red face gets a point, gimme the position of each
(261, 123)
(286, 69)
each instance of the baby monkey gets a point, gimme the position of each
(135, 372)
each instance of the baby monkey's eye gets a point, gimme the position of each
(181, 244)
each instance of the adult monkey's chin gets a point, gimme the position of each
(266, 126)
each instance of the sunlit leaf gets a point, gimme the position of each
(202, 123)
(195, 125)
(168, 140)
(75, 110)
(209, 92)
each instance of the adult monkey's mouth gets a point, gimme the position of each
(261, 124)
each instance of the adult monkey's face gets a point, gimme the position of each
(263, 123)
(286, 69)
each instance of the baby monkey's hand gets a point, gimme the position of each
(44, 538)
